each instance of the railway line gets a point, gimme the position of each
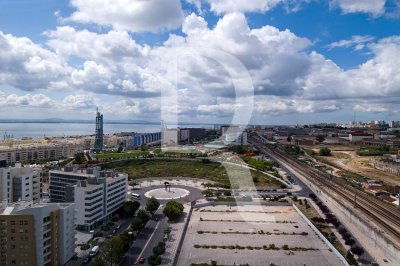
(383, 215)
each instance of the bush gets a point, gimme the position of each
(357, 250)
(159, 249)
(349, 241)
(325, 152)
(350, 258)
(154, 260)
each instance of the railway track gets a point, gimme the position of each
(380, 213)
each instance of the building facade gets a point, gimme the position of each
(42, 234)
(20, 183)
(39, 151)
(97, 194)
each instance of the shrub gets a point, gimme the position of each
(325, 152)
(357, 250)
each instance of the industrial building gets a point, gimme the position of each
(20, 183)
(358, 136)
(97, 194)
(41, 234)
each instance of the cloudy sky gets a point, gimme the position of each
(308, 60)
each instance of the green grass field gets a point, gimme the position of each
(132, 154)
(137, 169)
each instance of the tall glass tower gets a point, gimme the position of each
(98, 142)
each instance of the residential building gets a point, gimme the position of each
(40, 234)
(31, 152)
(96, 193)
(20, 183)
(145, 139)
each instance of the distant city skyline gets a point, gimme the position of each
(309, 61)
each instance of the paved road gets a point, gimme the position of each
(146, 240)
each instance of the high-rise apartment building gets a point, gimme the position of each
(20, 183)
(40, 234)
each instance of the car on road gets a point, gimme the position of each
(142, 260)
(86, 260)
(94, 251)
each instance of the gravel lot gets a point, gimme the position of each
(235, 236)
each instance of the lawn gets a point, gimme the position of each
(132, 154)
(140, 168)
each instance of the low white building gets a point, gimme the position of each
(20, 183)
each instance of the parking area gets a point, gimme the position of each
(253, 235)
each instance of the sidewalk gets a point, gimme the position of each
(174, 239)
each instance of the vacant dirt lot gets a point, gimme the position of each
(347, 159)
(252, 235)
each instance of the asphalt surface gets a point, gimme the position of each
(153, 232)
(146, 240)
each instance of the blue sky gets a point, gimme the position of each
(309, 60)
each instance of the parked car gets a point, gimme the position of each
(142, 260)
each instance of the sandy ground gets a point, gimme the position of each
(224, 226)
(347, 159)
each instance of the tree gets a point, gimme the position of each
(131, 207)
(99, 261)
(136, 224)
(79, 158)
(320, 138)
(120, 149)
(325, 152)
(114, 249)
(144, 216)
(289, 139)
(152, 205)
(173, 210)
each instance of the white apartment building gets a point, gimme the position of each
(97, 194)
(39, 234)
(20, 183)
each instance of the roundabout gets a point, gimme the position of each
(167, 194)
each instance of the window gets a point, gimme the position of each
(12, 222)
